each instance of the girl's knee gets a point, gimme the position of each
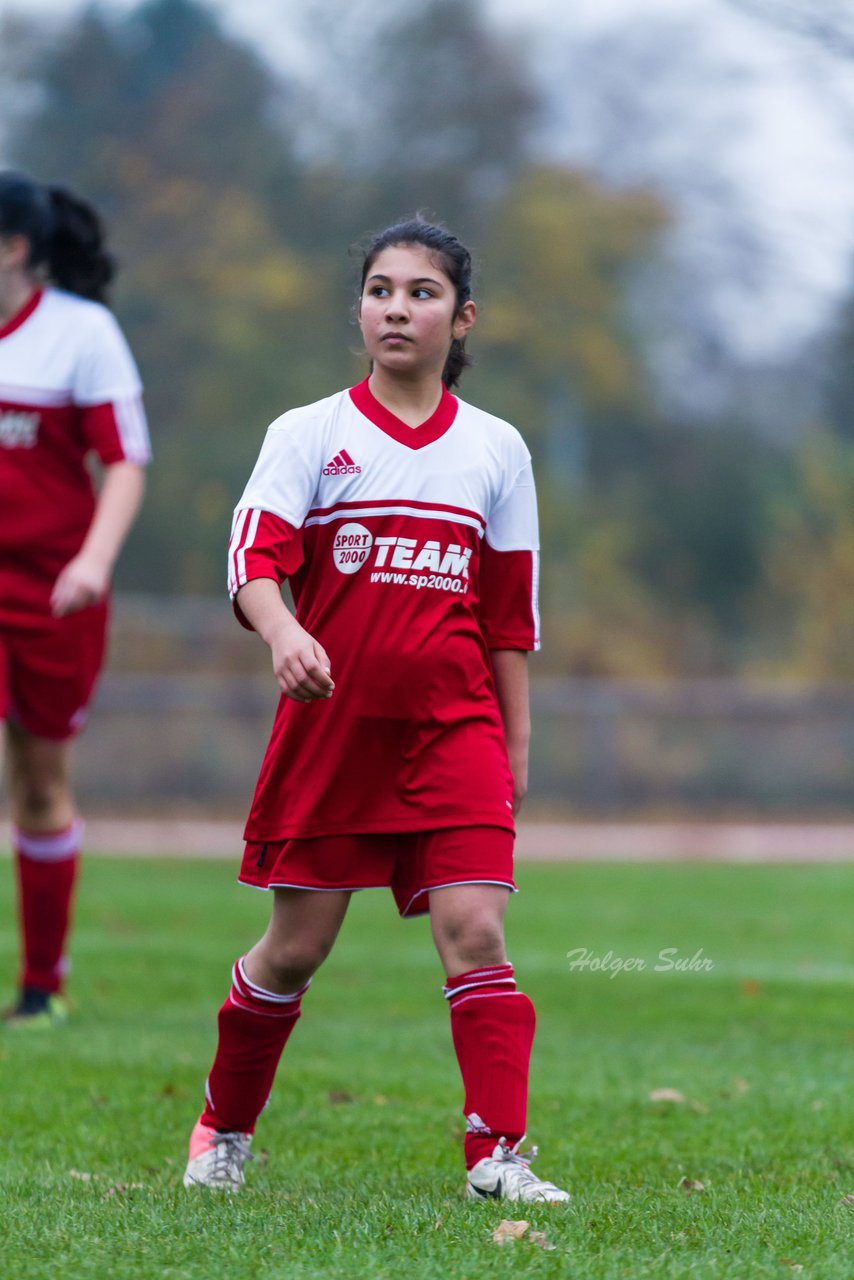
(472, 940)
(291, 962)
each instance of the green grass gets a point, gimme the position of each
(760, 1047)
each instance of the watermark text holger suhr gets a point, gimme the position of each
(668, 960)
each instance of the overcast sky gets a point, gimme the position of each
(784, 148)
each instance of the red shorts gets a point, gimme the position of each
(411, 863)
(47, 676)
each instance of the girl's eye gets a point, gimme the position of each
(379, 291)
(421, 293)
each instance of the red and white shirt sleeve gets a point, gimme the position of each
(509, 568)
(266, 533)
(108, 391)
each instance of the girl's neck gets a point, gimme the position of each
(15, 292)
(412, 400)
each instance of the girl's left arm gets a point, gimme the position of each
(510, 669)
(86, 579)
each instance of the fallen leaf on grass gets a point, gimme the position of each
(542, 1241)
(75, 1173)
(790, 1262)
(121, 1188)
(380, 1101)
(699, 1108)
(509, 1230)
(666, 1095)
(750, 988)
(691, 1184)
(848, 1201)
(340, 1097)
(437, 1224)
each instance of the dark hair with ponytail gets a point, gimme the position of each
(64, 232)
(454, 259)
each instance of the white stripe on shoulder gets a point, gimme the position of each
(239, 521)
(248, 542)
(133, 430)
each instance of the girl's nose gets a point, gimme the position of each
(397, 308)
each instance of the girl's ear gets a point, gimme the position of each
(464, 320)
(15, 251)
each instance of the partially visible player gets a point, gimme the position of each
(69, 393)
(406, 523)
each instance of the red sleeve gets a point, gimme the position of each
(507, 608)
(117, 430)
(262, 545)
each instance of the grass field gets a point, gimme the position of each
(364, 1129)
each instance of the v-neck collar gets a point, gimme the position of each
(413, 437)
(24, 314)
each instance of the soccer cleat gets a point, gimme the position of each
(36, 1011)
(507, 1175)
(217, 1159)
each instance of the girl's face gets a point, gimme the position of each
(408, 312)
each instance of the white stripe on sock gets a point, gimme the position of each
(261, 993)
(52, 846)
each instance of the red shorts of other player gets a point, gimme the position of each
(48, 673)
(410, 863)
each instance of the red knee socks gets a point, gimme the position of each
(493, 1028)
(254, 1026)
(47, 865)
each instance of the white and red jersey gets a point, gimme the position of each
(410, 553)
(68, 387)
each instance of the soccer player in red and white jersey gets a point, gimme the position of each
(69, 390)
(405, 521)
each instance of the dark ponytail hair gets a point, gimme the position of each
(454, 259)
(64, 232)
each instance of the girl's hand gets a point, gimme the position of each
(82, 582)
(301, 665)
(519, 768)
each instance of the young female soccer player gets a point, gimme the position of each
(405, 521)
(68, 389)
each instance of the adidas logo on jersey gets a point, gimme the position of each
(342, 465)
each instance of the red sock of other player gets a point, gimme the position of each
(47, 865)
(493, 1029)
(254, 1026)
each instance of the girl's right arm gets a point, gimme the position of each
(301, 665)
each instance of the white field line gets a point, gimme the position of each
(546, 842)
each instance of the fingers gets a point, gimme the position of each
(304, 676)
(68, 596)
(81, 583)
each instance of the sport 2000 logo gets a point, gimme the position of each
(351, 547)
(448, 566)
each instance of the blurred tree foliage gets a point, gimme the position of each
(232, 199)
(810, 579)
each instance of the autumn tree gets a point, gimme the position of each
(417, 106)
(166, 123)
